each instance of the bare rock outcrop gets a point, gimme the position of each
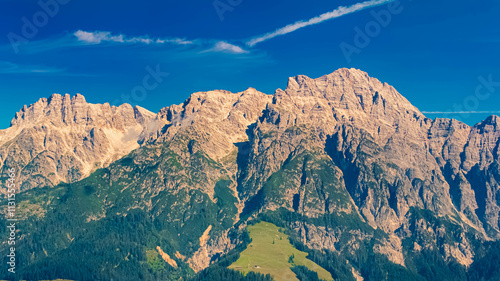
(64, 139)
(166, 257)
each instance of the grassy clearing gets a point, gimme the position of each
(270, 251)
(154, 260)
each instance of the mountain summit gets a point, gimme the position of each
(354, 173)
(64, 138)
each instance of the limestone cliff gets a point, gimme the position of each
(63, 138)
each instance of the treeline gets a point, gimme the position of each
(334, 263)
(72, 241)
(372, 266)
(424, 265)
(430, 265)
(219, 273)
(113, 248)
(304, 274)
(233, 255)
(487, 267)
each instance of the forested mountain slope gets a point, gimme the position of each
(356, 176)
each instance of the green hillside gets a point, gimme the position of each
(271, 252)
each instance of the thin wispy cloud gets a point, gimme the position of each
(98, 37)
(10, 67)
(209, 45)
(460, 112)
(81, 38)
(340, 11)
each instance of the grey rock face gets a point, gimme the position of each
(216, 120)
(387, 154)
(64, 138)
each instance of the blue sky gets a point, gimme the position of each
(442, 55)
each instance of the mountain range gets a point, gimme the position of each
(356, 175)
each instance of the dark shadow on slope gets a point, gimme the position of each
(393, 198)
(243, 162)
(349, 170)
(476, 178)
(454, 183)
(243, 156)
(253, 204)
(296, 202)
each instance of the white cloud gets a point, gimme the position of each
(177, 41)
(208, 45)
(98, 37)
(225, 47)
(340, 11)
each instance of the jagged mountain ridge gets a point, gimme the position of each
(340, 146)
(64, 138)
(350, 115)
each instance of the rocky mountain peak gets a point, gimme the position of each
(65, 110)
(351, 89)
(346, 96)
(215, 119)
(492, 121)
(64, 138)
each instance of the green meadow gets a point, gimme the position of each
(270, 252)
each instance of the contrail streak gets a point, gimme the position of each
(340, 11)
(460, 112)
